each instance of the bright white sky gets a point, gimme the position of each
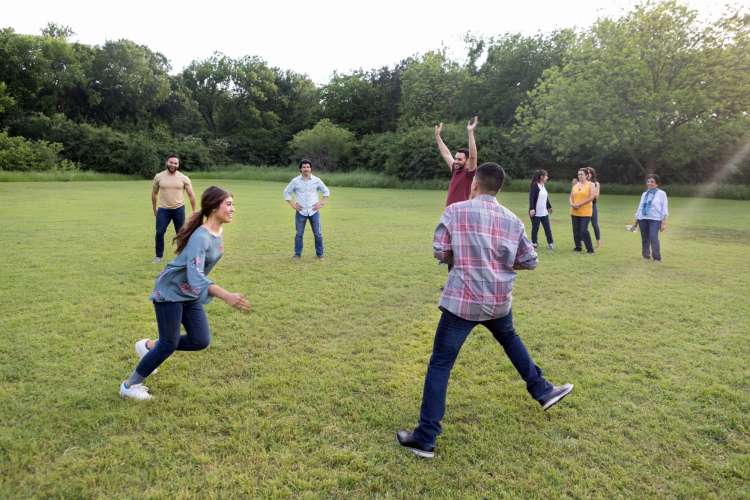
(314, 37)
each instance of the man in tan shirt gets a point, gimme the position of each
(169, 186)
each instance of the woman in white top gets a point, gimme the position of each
(651, 218)
(540, 208)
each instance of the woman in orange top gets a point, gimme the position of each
(581, 208)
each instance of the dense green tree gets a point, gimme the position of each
(430, 90)
(128, 83)
(364, 102)
(635, 85)
(6, 101)
(42, 73)
(209, 82)
(513, 65)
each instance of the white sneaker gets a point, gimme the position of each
(139, 392)
(551, 246)
(141, 350)
(156, 260)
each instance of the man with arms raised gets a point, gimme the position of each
(462, 167)
(168, 201)
(486, 244)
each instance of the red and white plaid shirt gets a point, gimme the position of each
(485, 242)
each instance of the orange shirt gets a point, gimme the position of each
(581, 192)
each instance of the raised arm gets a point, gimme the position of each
(444, 151)
(471, 163)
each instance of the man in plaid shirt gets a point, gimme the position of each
(485, 242)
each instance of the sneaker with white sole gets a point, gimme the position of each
(141, 350)
(406, 439)
(139, 392)
(157, 260)
(555, 395)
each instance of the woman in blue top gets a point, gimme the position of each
(651, 217)
(182, 289)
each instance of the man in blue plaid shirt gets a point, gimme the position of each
(486, 243)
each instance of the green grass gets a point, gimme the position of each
(302, 396)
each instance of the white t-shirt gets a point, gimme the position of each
(541, 202)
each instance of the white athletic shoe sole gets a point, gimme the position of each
(141, 350)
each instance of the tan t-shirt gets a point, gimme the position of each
(171, 188)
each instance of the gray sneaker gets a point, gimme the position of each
(555, 395)
(551, 246)
(156, 260)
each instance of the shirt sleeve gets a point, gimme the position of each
(156, 182)
(289, 190)
(441, 242)
(666, 205)
(197, 282)
(186, 182)
(324, 189)
(526, 257)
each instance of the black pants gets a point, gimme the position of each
(581, 233)
(535, 221)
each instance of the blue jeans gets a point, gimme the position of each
(535, 228)
(163, 217)
(451, 333)
(595, 223)
(650, 238)
(169, 316)
(299, 222)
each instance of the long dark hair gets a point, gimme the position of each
(538, 175)
(211, 199)
(592, 173)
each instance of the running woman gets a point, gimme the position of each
(182, 289)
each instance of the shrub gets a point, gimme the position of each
(19, 153)
(328, 146)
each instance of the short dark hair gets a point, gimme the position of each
(171, 156)
(655, 177)
(464, 151)
(304, 161)
(490, 177)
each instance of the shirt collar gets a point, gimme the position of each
(486, 197)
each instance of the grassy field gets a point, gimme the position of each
(302, 396)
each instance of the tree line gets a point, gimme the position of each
(655, 89)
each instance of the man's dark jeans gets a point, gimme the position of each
(163, 217)
(299, 223)
(169, 316)
(451, 333)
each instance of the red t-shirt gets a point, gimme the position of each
(460, 186)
